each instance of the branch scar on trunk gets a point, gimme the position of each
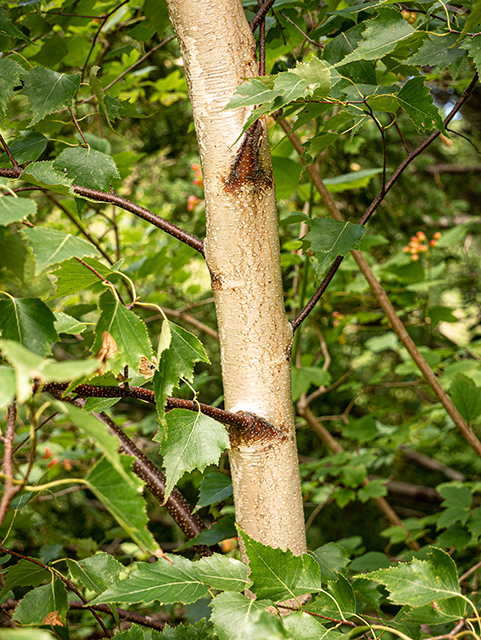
(248, 167)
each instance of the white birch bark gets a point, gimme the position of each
(242, 252)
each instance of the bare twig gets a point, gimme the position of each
(260, 15)
(316, 44)
(82, 230)
(262, 45)
(186, 317)
(86, 144)
(9, 153)
(102, 279)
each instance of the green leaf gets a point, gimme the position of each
(97, 573)
(233, 612)
(30, 322)
(28, 366)
(420, 582)
(99, 93)
(354, 180)
(441, 314)
(302, 379)
(370, 561)
(377, 344)
(43, 174)
(157, 13)
(223, 529)
(72, 276)
(214, 488)
(123, 500)
(286, 174)
(381, 36)
(40, 602)
(278, 574)
(329, 238)
(10, 72)
(98, 432)
(7, 386)
(176, 362)
(193, 441)
(455, 494)
(316, 145)
(290, 87)
(416, 100)
(168, 583)
(27, 634)
(316, 74)
(473, 18)
(51, 246)
(198, 631)
(49, 91)
(373, 489)
(466, 396)
(337, 602)
(268, 627)
(437, 52)
(251, 92)
(26, 148)
(302, 626)
(24, 574)
(222, 573)
(472, 46)
(66, 324)
(134, 633)
(128, 331)
(9, 29)
(15, 209)
(344, 44)
(332, 559)
(87, 167)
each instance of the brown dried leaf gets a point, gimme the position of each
(108, 348)
(147, 368)
(53, 618)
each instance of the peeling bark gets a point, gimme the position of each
(243, 256)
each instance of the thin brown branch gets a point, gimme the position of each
(242, 421)
(262, 44)
(10, 490)
(375, 203)
(432, 464)
(77, 126)
(68, 583)
(260, 15)
(319, 392)
(316, 44)
(9, 153)
(145, 214)
(102, 279)
(189, 319)
(394, 121)
(381, 295)
(469, 572)
(76, 605)
(82, 230)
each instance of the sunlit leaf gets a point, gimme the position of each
(49, 91)
(30, 322)
(51, 246)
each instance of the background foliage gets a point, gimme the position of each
(80, 105)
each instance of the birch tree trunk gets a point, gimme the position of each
(243, 256)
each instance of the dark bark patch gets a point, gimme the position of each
(248, 167)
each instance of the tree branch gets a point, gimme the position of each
(325, 195)
(243, 422)
(101, 196)
(381, 295)
(260, 15)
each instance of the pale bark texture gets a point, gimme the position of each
(242, 253)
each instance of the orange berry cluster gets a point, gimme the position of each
(418, 244)
(338, 317)
(198, 181)
(48, 453)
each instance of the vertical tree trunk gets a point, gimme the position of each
(242, 252)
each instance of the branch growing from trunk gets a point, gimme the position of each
(10, 489)
(123, 203)
(178, 507)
